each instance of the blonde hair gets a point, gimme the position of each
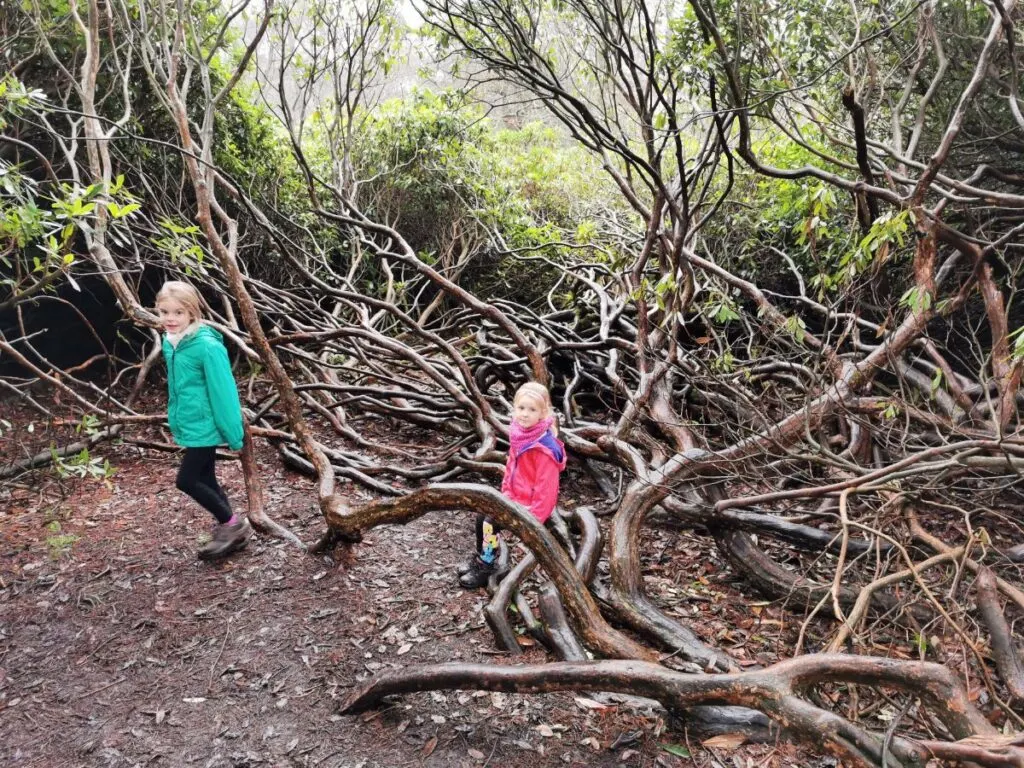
(537, 392)
(185, 294)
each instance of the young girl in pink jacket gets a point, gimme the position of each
(535, 459)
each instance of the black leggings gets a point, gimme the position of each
(480, 520)
(198, 479)
(488, 554)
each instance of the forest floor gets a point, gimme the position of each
(119, 648)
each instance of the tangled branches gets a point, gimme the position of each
(842, 423)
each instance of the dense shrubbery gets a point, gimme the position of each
(464, 191)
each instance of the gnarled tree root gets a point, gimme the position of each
(799, 535)
(774, 581)
(859, 609)
(991, 751)
(1008, 660)
(496, 611)
(637, 612)
(579, 604)
(258, 516)
(589, 547)
(555, 632)
(713, 720)
(563, 640)
(776, 691)
(625, 598)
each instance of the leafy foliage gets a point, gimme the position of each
(442, 174)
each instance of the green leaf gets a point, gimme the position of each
(119, 211)
(676, 749)
(916, 299)
(78, 208)
(1018, 345)
(796, 326)
(91, 191)
(724, 314)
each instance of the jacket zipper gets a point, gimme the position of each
(173, 376)
(171, 368)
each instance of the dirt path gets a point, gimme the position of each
(119, 648)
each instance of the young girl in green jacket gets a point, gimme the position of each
(203, 409)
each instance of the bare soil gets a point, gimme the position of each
(119, 648)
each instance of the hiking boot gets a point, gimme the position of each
(478, 574)
(227, 538)
(466, 567)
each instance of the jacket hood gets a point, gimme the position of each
(208, 331)
(201, 330)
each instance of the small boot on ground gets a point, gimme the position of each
(477, 574)
(227, 538)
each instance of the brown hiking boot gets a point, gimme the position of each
(227, 538)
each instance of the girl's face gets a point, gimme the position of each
(527, 412)
(173, 315)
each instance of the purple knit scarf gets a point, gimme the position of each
(520, 438)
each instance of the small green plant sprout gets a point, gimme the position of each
(922, 644)
(586, 232)
(15, 97)
(664, 289)
(724, 363)
(89, 425)
(120, 210)
(819, 202)
(891, 411)
(58, 543)
(82, 465)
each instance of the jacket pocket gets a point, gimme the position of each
(194, 415)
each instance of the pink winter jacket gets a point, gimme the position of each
(531, 477)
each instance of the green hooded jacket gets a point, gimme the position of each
(202, 407)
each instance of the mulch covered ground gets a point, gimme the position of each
(119, 648)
